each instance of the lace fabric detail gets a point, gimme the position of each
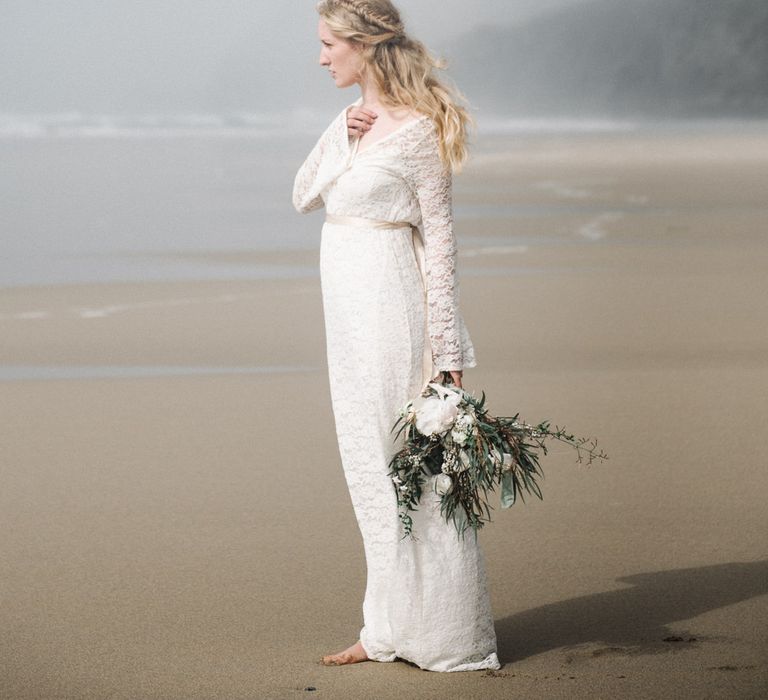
(427, 600)
(322, 166)
(432, 183)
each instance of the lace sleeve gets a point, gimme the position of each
(327, 160)
(432, 183)
(305, 196)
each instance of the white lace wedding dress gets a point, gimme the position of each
(426, 601)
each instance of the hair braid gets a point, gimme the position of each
(388, 22)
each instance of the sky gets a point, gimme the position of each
(143, 55)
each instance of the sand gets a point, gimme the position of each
(191, 536)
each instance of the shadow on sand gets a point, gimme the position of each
(635, 619)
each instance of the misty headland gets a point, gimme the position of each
(657, 59)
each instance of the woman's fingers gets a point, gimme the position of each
(359, 120)
(364, 114)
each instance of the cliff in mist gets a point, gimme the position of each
(654, 58)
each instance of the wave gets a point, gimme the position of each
(251, 124)
(83, 125)
(310, 123)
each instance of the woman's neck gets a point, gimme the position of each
(371, 94)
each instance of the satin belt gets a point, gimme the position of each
(428, 367)
(362, 221)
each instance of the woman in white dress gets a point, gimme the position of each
(383, 170)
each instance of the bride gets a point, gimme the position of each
(383, 171)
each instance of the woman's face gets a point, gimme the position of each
(340, 56)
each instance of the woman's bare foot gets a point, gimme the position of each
(351, 655)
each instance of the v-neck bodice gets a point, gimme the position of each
(356, 147)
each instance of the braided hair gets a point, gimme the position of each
(403, 69)
(387, 20)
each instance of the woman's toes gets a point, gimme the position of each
(353, 655)
(333, 660)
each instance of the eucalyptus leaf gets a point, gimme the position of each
(507, 490)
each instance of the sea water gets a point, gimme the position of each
(108, 199)
(126, 204)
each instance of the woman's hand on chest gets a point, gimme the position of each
(360, 120)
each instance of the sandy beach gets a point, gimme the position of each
(175, 521)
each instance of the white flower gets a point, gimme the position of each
(462, 428)
(443, 484)
(397, 479)
(466, 420)
(449, 461)
(464, 461)
(436, 414)
(459, 437)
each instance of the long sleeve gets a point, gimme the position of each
(325, 162)
(305, 196)
(432, 183)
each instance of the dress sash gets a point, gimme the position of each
(364, 222)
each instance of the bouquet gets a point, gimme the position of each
(449, 434)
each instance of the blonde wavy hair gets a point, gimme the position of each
(402, 69)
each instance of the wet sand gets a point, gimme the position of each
(191, 535)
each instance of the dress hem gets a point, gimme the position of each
(490, 662)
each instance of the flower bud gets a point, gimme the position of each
(443, 484)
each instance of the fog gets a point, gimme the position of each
(134, 56)
(252, 62)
